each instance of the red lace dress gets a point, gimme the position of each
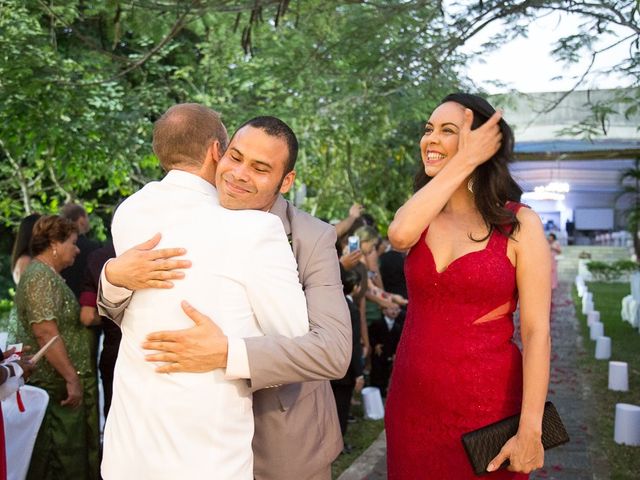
(457, 368)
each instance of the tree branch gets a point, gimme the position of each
(86, 40)
(22, 181)
(175, 29)
(68, 196)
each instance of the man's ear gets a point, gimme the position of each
(215, 151)
(287, 181)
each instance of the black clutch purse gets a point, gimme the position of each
(484, 444)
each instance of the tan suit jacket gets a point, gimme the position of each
(297, 434)
(297, 431)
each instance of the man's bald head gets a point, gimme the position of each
(184, 133)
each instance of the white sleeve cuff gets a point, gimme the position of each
(110, 292)
(237, 360)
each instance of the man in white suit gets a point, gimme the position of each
(300, 414)
(195, 425)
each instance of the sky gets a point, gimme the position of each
(526, 64)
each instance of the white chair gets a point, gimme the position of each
(596, 330)
(372, 403)
(583, 271)
(624, 308)
(593, 316)
(618, 376)
(627, 424)
(603, 348)
(633, 312)
(587, 303)
(635, 286)
(21, 428)
(616, 239)
(582, 289)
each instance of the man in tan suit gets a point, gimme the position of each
(297, 434)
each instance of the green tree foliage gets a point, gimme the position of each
(82, 82)
(65, 131)
(81, 86)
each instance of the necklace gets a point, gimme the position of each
(42, 260)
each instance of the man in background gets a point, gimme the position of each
(384, 335)
(74, 275)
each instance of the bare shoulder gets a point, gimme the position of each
(528, 219)
(22, 262)
(531, 230)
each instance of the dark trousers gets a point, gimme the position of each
(342, 392)
(107, 366)
(380, 374)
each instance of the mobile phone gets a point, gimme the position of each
(354, 243)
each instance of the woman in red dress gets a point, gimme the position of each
(475, 252)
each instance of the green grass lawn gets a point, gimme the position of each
(624, 461)
(359, 435)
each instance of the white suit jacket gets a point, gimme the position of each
(243, 275)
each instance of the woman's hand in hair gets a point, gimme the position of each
(477, 146)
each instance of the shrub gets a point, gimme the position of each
(616, 271)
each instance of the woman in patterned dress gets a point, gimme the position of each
(68, 440)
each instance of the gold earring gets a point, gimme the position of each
(470, 185)
(55, 252)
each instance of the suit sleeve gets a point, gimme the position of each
(113, 301)
(325, 352)
(272, 284)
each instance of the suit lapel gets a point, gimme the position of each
(282, 211)
(285, 212)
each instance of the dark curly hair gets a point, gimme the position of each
(492, 181)
(49, 229)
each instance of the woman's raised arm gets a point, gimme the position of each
(474, 148)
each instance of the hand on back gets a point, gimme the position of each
(143, 267)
